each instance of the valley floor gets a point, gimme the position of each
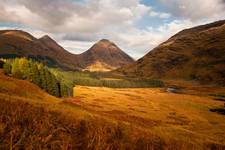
(105, 118)
(169, 115)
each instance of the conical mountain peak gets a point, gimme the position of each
(104, 40)
(104, 45)
(46, 37)
(108, 53)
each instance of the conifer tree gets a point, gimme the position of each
(7, 68)
(16, 69)
(38, 74)
(62, 89)
(54, 86)
(24, 68)
(48, 78)
(35, 74)
(43, 81)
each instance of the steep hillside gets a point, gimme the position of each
(197, 54)
(16, 43)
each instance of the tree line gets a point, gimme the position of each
(100, 80)
(141, 83)
(37, 73)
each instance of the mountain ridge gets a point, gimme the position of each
(192, 54)
(18, 43)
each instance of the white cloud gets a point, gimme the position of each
(175, 26)
(164, 15)
(196, 10)
(76, 47)
(161, 15)
(78, 25)
(66, 16)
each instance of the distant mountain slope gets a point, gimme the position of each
(16, 43)
(105, 55)
(197, 53)
(65, 58)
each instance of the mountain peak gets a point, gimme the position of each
(46, 37)
(105, 41)
(51, 43)
(106, 53)
(17, 33)
(104, 44)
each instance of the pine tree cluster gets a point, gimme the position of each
(37, 73)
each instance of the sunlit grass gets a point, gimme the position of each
(106, 118)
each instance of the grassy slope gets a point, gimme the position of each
(32, 119)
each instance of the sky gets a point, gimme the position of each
(136, 26)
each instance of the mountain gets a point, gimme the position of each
(15, 43)
(193, 54)
(103, 56)
(65, 59)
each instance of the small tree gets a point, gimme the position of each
(35, 74)
(16, 72)
(24, 68)
(7, 68)
(43, 82)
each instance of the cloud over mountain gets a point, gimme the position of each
(127, 22)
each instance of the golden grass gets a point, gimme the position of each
(99, 66)
(177, 116)
(104, 118)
